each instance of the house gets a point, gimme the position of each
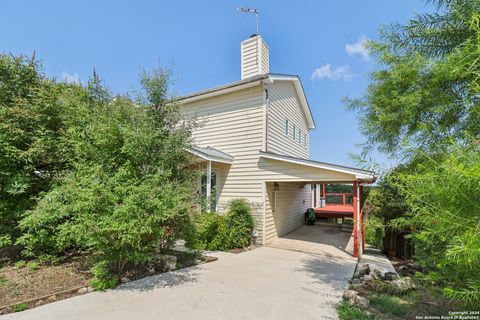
(254, 142)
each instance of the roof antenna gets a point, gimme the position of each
(248, 10)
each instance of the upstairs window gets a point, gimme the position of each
(286, 127)
(305, 140)
(294, 133)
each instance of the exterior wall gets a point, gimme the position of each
(292, 200)
(284, 104)
(233, 123)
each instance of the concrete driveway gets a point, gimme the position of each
(265, 283)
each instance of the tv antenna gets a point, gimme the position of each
(249, 10)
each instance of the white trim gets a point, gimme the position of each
(305, 162)
(264, 223)
(209, 185)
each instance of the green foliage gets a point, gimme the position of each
(390, 305)
(19, 307)
(425, 91)
(33, 266)
(211, 232)
(83, 170)
(20, 264)
(30, 152)
(239, 223)
(346, 311)
(102, 278)
(234, 230)
(443, 197)
(374, 231)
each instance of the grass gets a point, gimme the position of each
(33, 266)
(346, 311)
(388, 304)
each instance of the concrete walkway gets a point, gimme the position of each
(265, 283)
(328, 240)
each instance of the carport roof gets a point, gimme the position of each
(360, 175)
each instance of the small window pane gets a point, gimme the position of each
(286, 127)
(294, 133)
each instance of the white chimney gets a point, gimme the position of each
(254, 56)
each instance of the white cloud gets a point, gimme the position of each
(358, 48)
(70, 78)
(327, 72)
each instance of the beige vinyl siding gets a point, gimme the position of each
(292, 200)
(233, 123)
(254, 57)
(284, 104)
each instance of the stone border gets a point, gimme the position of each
(59, 295)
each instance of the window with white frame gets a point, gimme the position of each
(286, 127)
(294, 133)
(299, 136)
(305, 140)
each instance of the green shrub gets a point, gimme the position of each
(20, 264)
(240, 223)
(346, 311)
(374, 231)
(19, 307)
(388, 304)
(234, 230)
(33, 266)
(102, 278)
(211, 232)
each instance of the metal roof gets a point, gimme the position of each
(211, 154)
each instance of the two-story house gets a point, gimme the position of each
(254, 141)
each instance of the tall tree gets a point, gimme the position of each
(423, 95)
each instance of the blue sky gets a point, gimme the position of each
(321, 41)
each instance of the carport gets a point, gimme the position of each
(293, 187)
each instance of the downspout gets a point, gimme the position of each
(267, 107)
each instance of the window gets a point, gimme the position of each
(305, 139)
(300, 136)
(294, 133)
(286, 127)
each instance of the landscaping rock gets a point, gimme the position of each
(353, 297)
(350, 296)
(169, 262)
(362, 271)
(366, 278)
(404, 284)
(362, 302)
(82, 290)
(39, 302)
(376, 274)
(389, 276)
(125, 280)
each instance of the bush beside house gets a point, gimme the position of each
(225, 232)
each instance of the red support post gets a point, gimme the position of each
(323, 191)
(355, 221)
(362, 219)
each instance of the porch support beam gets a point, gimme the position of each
(209, 185)
(356, 222)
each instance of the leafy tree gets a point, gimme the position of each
(129, 193)
(30, 153)
(425, 92)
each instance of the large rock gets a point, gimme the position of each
(403, 284)
(353, 297)
(169, 262)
